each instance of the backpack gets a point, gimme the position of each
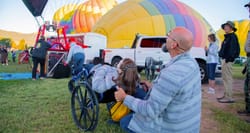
(118, 110)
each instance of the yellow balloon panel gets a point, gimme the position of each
(149, 17)
(154, 27)
(60, 13)
(121, 15)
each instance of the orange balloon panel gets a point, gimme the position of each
(89, 13)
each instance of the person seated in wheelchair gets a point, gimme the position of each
(106, 78)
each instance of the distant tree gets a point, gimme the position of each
(5, 42)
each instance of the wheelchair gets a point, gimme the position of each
(84, 102)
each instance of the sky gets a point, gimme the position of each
(14, 16)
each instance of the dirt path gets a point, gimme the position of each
(209, 124)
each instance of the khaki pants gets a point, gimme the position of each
(227, 78)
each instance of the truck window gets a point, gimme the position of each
(152, 42)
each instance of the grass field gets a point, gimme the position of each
(40, 106)
(44, 106)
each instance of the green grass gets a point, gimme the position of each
(230, 123)
(41, 106)
(15, 67)
(237, 72)
(44, 106)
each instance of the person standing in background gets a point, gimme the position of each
(38, 56)
(246, 111)
(230, 49)
(212, 60)
(4, 56)
(1, 53)
(13, 54)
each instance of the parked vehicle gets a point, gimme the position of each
(150, 46)
(240, 60)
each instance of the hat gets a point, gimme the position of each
(247, 5)
(231, 24)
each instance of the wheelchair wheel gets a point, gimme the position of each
(84, 107)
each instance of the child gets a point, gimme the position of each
(106, 78)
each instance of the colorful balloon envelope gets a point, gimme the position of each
(150, 17)
(81, 18)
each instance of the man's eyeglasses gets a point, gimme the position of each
(168, 36)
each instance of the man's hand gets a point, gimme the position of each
(146, 85)
(120, 95)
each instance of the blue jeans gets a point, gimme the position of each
(78, 60)
(124, 122)
(211, 70)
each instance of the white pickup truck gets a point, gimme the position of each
(150, 46)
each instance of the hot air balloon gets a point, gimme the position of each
(150, 17)
(242, 31)
(64, 11)
(81, 18)
(67, 22)
(47, 8)
(89, 13)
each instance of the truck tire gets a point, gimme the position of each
(115, 61)
(204, 77)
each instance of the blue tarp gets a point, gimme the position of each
(14, 76)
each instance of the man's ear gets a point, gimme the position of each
(174, 45)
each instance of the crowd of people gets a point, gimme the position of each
(4, 55)
(172, 102)
(152, 105)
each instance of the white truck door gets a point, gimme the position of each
(150, 47)
(97, 42)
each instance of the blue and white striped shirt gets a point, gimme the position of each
(174, 103)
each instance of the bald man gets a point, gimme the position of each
(174, 100)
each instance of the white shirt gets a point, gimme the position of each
(212, 53)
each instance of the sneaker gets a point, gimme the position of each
(243, 113)
(33, 79)
(42, 78)
(219, 98)
(210, 91)
(226, 100)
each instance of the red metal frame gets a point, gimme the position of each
(59, 30)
